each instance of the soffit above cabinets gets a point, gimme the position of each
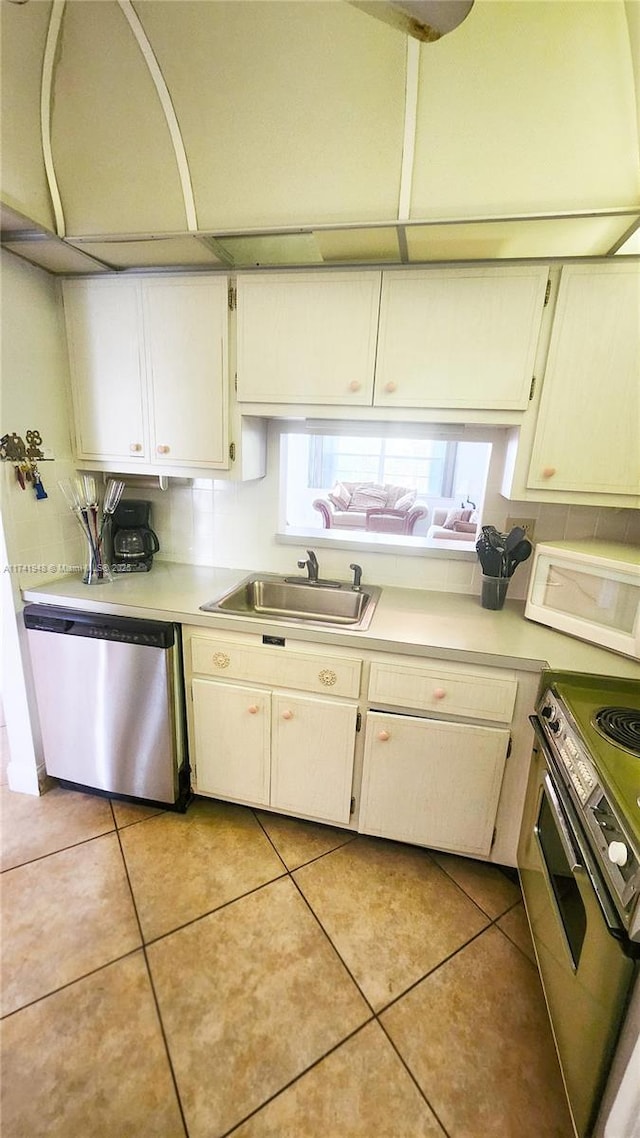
(40, 247)
(230, 134)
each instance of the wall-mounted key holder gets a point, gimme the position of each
(25, 457)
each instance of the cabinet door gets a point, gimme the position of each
(186, 342)
(587, 431)
(306, 338)
(231, 741)
(459, 338)
(313, 742)
(105, 354)
(432, 782)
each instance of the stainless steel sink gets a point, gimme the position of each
(292, 599)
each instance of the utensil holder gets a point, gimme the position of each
(494, 591)
(97, 571)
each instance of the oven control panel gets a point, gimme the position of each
(567, 748)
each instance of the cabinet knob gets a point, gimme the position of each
(355, 385)
(135, 448)
(548, 471)
(390, 387)
(253, 710)
(287, 715)
(439, 693)
(163, 449)
(383, 736)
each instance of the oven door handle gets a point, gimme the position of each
(575, 865)
(568, 833)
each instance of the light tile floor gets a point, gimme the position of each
(231, 971)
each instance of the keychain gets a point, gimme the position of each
(37, 482)
(12, 447)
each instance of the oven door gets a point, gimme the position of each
(577, 935)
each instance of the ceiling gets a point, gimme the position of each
(234, 134)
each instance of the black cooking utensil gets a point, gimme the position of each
(515, 536)
(519, 553)
(489, 557)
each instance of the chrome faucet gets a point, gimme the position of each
(311, 566)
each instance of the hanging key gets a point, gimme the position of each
(37, 483)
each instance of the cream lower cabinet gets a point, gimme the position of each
(278, 749)
(435, 778)
(432, 782)
(312, 752)
(232, 741)
(277, 726)
(251, 742)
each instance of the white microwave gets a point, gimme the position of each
(589, 589)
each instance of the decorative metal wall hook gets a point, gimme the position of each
(25, 456)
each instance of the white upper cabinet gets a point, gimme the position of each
(149, 372)
(460, 337)
(307, 337)
(185, 323)
(589, 419)
(456, 339)
(104, 335)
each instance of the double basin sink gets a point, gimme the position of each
(299, 599)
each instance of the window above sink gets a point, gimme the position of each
(383, 486)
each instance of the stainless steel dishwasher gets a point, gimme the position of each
(110, 699)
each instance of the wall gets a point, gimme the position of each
(33, 386)
(234, 525)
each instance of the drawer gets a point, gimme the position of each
(472, 693)
(276, 667)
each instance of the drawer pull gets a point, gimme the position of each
(162, 449)
(355, 385)
(390, 387)
(439, 693)
(221, 660)
(383, 736)
(287, 714)
(253, 710)
(135, 448)
(328, 677)
(548, 471)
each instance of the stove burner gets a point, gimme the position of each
(621, 725)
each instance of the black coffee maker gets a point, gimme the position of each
(133, 542)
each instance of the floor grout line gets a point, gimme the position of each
(298, 1077)
(322, 928)
(317, 857)
(153, 988)
(70, 983)
(52, 853)
(211, 912)
(413, 1077)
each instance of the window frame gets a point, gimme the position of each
(415, 545)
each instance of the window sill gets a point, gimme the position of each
(377, 543)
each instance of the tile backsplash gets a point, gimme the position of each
(234, 525)
(42, 536)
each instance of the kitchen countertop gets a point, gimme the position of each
(451, 626)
